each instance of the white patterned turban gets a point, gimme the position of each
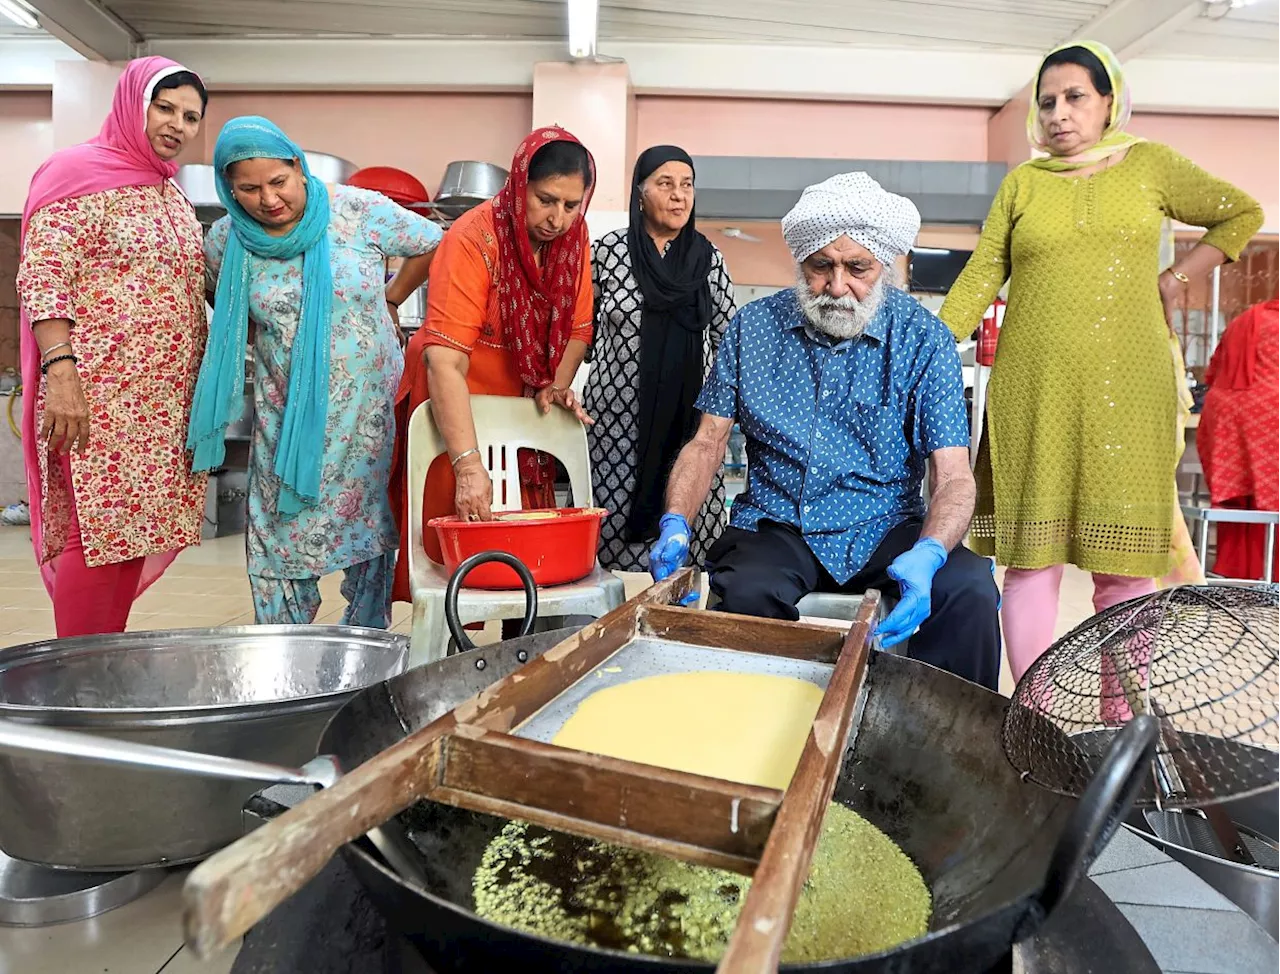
(852, 205)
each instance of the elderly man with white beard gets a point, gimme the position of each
(843, 387)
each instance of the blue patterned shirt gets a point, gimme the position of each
(837, 431)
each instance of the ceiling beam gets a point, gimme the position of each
(1130, 27)
(88, 28)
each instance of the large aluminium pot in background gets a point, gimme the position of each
(261, 693)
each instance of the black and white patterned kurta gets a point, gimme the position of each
(612, 396)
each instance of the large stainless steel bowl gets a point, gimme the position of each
(263, 693)
(468, 184)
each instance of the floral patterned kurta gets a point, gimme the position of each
(352, 521)
(125, 267)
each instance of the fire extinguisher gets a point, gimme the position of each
(984, 356)
(990, 332)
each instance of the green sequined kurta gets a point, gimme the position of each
(1077, 460)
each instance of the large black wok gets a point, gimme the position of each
(925, 765)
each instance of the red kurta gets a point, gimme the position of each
(1237, 439)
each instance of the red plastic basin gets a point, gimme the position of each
(558, 549)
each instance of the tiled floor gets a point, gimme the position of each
(206, 586)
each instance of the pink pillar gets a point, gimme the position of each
(596, 103)
(82, 92)
(1007, 131)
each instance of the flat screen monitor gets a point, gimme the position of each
(933, 271)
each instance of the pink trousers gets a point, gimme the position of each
(1030, 609)
(89, 601)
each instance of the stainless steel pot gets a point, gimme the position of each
(259, 693)
(413, 312)
(468, 184)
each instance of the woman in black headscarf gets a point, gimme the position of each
(663, 301)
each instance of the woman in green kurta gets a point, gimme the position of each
(1076, 464)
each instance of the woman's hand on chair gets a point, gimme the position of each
(566, 399)
(473, 495)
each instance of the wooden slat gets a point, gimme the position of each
(756, 944)
(235, 888)
(746, 634)
(687, 816)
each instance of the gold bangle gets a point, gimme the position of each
(1179, 276)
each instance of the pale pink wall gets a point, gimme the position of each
(811, 129)
(1007, 133)
(418, 132)
(1241, 150)
(26, 135)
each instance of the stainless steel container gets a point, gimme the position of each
(1255, 889)
(260, 693)
(468, 184)
(413, 312)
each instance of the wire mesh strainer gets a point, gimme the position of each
(1204, 660)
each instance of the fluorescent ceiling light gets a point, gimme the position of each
(583, 18)
(20, 12)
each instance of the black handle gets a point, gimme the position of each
(455, 584)
(1106, 803)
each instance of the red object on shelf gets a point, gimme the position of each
(989, 333)
(395, 184)
(557, 550)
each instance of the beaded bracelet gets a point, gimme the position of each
(44, 366)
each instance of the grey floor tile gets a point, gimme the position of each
(1204, 942)
(1127, 851)
(1163, 884)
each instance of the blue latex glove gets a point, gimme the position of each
(670, 552)
(913, 570)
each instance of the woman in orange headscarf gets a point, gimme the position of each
(509, 313)
(1237, 435)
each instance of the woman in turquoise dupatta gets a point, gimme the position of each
(305, 262)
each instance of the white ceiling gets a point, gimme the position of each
(1007, 23)
(1247, 33)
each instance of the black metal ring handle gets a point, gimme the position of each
(1106, 803)
(455, 585)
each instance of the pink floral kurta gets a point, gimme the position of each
(127, 267)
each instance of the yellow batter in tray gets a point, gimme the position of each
(737, 716)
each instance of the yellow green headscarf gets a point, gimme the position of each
(1114, 137)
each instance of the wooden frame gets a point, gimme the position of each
(470, 758)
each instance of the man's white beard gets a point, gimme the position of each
(840, 318)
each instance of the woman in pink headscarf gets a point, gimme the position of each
(111, 286)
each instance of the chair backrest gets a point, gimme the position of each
(504, 424)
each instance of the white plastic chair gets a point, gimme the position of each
(504, 425)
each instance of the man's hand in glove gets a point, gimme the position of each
(913, 570)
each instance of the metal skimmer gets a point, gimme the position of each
(1202, 659)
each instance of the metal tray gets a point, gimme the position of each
(649, 656)
(33, 896)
